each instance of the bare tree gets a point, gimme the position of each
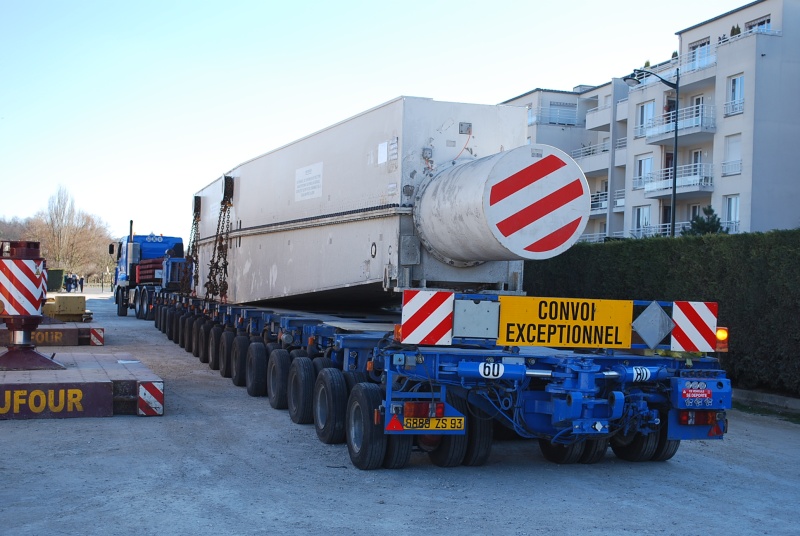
(68, 238)
(13, 229)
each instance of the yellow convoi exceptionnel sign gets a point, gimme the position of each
(565, 322)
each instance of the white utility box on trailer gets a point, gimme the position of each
(414, 193)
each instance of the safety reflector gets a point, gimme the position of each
(427, 317)
(695, 327)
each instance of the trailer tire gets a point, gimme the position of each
(666, 448)
(366, 442)
(398, 451)
(176, 325)
(149, 312)
(256, 375)
(451, 449)
(225, 352)
(183, 329)
(169, 325)
(137, 305)
(197, 335)
(561, 454)
(162, 325)
(271, 346)
(300, 390)
(353, 378)
(214, 337)
(479, 436)
(639, 449)
(239, 360)
(205, 332)
(594, 450)
(188, 337)
(321, 363)
(157, 315)
(277, 377)
(330, 406)
(297, 352)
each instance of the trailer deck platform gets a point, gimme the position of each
(92, 385)
(62, 334)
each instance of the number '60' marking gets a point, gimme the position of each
(491, 370)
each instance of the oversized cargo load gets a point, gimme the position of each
(414, 193)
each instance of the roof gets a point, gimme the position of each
(719, 16)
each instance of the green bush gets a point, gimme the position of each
(754, 277)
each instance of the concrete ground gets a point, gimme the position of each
(221, 462)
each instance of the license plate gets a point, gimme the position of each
(433, 423)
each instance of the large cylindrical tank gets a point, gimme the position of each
(532, 202)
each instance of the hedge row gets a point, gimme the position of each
(754, 277)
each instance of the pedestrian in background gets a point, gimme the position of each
(80, 283)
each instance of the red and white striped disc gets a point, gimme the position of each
(427, 317)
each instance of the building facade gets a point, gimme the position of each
(737, 115)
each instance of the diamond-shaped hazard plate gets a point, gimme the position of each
(653, 325)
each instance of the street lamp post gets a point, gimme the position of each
(633, 81)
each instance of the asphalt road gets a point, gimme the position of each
(221, 462)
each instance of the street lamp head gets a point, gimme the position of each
(631, 80)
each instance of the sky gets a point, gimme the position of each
(133, 107)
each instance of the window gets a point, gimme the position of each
(531, 116)
(528, 141)
(759, 25)
(641, 216)
(644, 171)
(644, 117)
(731, 220)
(735, 102)
(700, 53)
(732, 165)
(694, 211)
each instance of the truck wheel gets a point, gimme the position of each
(162, 324)
(239, 360)
(321, 363)
(638, 449)
(256, 376)
(594, 450)
(214, 336)
(149, 309)
(225, 352)
(176, 325)
(330, 406)
(666, 448)
(300, 390)
(366, 442)
(479, 436)
(122, 309)
(452, 448)
(561, 454)
(277, 376)
(157, 306)
(202, 343)
(183, 329)
(398, 451)
(188, 336)
(137, 306)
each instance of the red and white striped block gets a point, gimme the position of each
(695, 326)
(22, 286)
(96, 336)
(151, 399)
(427, 317)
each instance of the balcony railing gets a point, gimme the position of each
(595, 110)
(619, 198)
(734, 107)
(599, 201)
(732, 167)
(622, 143)
(690, 175)
(647, 231)
(731, 225)
(552, 116)
(693, 117)
(592, 237)
(590, 150)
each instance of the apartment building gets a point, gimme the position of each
(737, 115)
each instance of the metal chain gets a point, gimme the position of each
(218, 265)
(190, 276)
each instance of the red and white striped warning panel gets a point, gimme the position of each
(151, 398)
(22, 286)
(427, 317)
(96, 337)
(695, 326)
(539, 211)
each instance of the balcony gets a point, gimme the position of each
(732, 167)
(692, 179)
(622, 110)
(734, 107)
(553, 116)
(621, 152)
(696, 124)
(599, 203)
(647, 231)
(599, 118)
(619, 200)
(592, 237)
(592, 159)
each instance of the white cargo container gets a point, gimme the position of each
(396, 197)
